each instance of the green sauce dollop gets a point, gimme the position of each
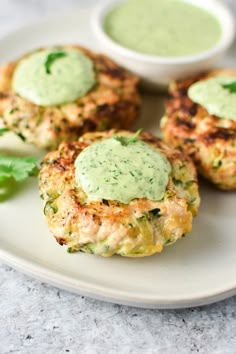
(214, 97)
(167, 28)
(112, 171)
(68, 77)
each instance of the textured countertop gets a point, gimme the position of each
(38, 318)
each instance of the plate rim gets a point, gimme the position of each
(64, 282)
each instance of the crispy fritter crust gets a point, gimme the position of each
(210, 140)
(140, 228)
(113, 103)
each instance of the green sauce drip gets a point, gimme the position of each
(112, 171)
(52, 77)
(167, 28)
(216, 99)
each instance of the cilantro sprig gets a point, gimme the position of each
(51, 58)
(3, 131)
(13, 170)
(231, 87)
(127, 140)
(17, 168)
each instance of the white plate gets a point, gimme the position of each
(199, 269)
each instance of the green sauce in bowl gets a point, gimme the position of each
(165, 28)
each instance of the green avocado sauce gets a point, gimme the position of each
(212, 95)
(167, 28)
(53, 77)
(113, 171)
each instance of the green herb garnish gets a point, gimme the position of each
(21, 136)
(51, 58)
(49, 206)
(3, 131)
(13, 110)
(231, 87)
(17, 168)
(90, 247)
(127, 140)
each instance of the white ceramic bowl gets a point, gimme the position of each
(156, 72)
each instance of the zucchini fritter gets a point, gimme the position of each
(208, 139)
(106, 227)
(112, 103)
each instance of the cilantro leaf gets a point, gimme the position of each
(17, 168)
(126, 140)
(51, 58)
(3, 131)
(231, 87)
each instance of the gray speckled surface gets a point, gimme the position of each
(38, 318)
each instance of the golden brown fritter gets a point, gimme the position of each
(211, 141)
(104, 227)
(113, 103)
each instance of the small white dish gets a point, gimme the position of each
(157, 71)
